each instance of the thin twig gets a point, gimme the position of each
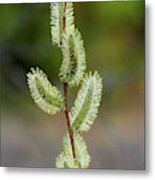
(70, 130)
(64, 18)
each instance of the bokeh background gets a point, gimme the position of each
(113, 34)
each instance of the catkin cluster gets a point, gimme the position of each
(72, 73)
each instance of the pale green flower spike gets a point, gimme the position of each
(74, 60)
(85, 108)
(66, 160)
(57, 14)
(71, 73)
(44, 94)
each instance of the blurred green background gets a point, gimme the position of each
(113, 34)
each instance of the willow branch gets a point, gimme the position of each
(70, 130)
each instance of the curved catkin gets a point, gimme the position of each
(57, 13)
(44, 94)
(74, 58)
(86, 105)
(65, 158)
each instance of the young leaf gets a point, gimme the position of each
(61, 14)
(44, 94)
(66, 160)
(87, 102)
(74, 59)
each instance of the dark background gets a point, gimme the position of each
(113, 34)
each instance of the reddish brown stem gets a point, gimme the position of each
(64, 18)
(70, 130)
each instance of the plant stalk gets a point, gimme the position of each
(70, 130)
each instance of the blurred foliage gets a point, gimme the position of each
(113, 35)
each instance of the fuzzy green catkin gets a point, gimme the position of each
(57, 13)
(44, 94)
(74, 58)
(66, 160)
(85, 108)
